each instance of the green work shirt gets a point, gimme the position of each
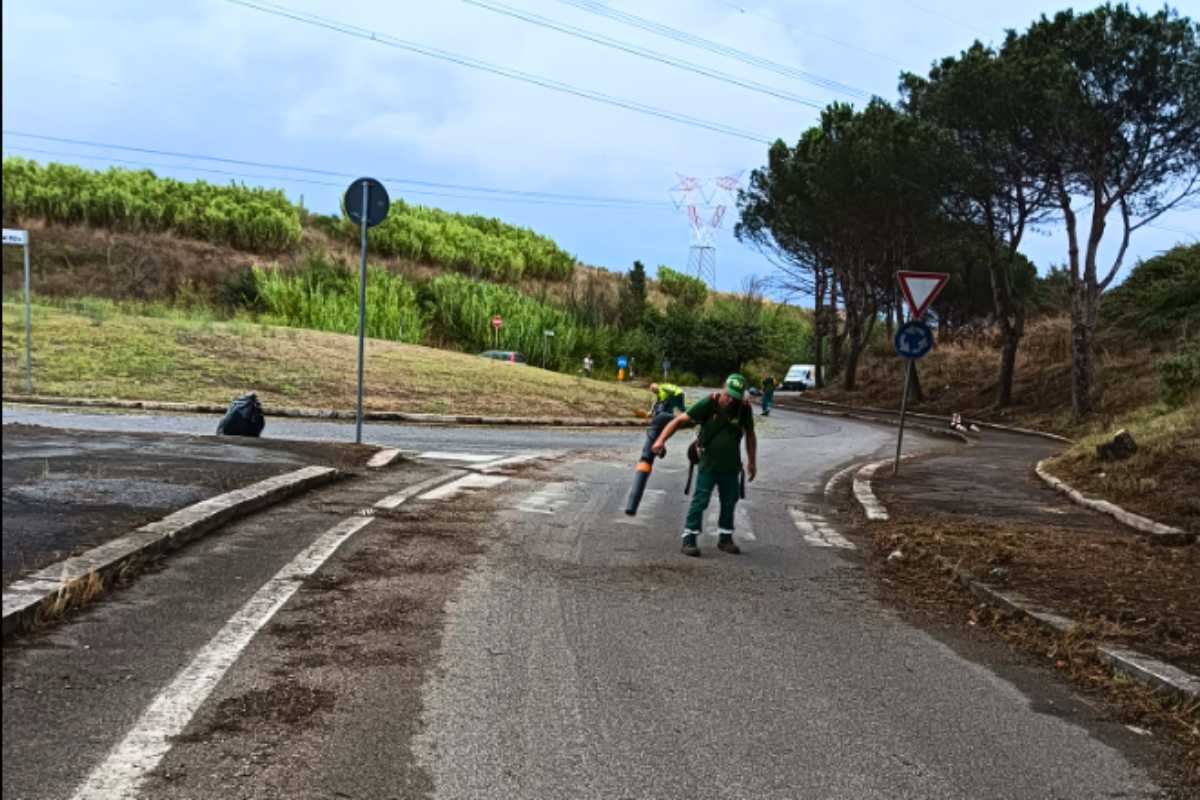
(768, 385)
(721, 433)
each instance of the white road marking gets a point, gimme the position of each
(547, 500)
(470, 458)
(816, 531)
(123, 771)
(463, 484)
(650, 501)
(512, 461)
(862, 491)
(395, 500)
(383, 457)
(742, 529)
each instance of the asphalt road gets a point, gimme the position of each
(533, 641)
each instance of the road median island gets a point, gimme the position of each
(86, 509)
(1115, 612)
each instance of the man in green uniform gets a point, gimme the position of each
(724, 418)
(667, 397)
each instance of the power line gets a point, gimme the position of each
(591, 199)
(290, 179)
(808, 32)
(484, 66)
(715, 47)
(642, 52)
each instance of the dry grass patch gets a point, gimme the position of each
(1161, 480)
(962, 377)
(97, 350)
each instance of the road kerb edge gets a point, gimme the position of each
(1164, 534)
(25, 598)
(1148, 671)
(316, 413)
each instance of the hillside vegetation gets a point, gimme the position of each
(260, 220)
(436, 278)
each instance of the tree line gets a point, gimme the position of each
(1089, 120)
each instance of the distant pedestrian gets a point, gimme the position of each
(768, 386)
(587, 365)
(666, 365)
(724, 419)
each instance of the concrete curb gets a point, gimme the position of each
(872, 507)
(1147, 671)
(318, 413)
(990, 425)
(29, 597)
(1164, 534)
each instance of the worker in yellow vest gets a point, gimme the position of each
(667, 398)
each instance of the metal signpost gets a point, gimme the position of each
(16, 237)
(497, 324)
(547, 334)
(367, 204)
(914, 339)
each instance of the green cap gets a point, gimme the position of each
(735, 385)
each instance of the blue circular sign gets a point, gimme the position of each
(622, 362)
(914, 339)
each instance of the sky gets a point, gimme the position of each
(219, 79)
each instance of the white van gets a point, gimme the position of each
(800, 377)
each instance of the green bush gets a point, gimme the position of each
(1161, 297)
(324, 296)
(253, 219)
(479, 246)
(1180, 374)
(461, 311)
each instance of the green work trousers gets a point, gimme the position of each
(728, 486)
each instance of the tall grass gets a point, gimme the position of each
(324, 297)
(462, 309)
(254, 219)
(480, 246)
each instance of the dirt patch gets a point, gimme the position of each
(371, 617)
(1120, 588)
(1131, 591)
(288, 703)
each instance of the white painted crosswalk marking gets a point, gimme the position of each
(547, 500)
(742, 529)
(816, 531)
(464, 484)
(650, 501)
(469, 458)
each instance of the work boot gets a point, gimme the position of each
(725, 543)
(690, 548)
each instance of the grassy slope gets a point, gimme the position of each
(100, 351)
(1160, 481)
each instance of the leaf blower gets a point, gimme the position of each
(645, 463)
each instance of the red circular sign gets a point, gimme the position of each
(497, 322)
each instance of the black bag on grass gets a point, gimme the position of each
(244, 417)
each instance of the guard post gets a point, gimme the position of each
(20, 238)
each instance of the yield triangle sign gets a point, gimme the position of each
(921, 289)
